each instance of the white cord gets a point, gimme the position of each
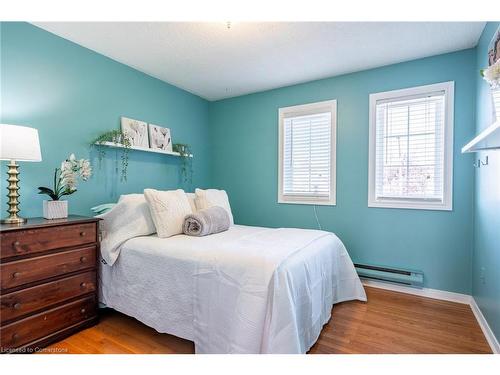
(316, 215)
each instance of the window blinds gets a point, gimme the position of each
(410, 147)
(307, 156)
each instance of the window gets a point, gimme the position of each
(411, 148)
(307, 136)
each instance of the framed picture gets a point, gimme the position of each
(160, 138)
(494, 58)
(136, 130)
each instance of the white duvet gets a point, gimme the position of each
(247, 290)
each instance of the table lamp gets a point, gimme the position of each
(17, 143)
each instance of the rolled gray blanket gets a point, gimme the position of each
(208, 221)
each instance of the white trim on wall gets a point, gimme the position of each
(485, 327)
(447, 203)
(445, 296)
(422, 292)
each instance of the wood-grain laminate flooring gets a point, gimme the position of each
(390, 322)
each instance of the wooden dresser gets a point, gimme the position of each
(48, 271)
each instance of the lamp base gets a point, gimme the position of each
(13, 195)
(14, 220)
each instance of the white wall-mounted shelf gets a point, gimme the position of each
(488, 139)
(137, 148)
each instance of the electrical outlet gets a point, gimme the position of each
(482, 275)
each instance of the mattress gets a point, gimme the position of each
(246, 290)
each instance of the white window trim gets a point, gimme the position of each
(447, 204)
(303, 109)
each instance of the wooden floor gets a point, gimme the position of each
(389, 322)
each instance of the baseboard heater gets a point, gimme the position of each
(391, 275)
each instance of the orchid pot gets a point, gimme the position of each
(495, 97)
(55, 209)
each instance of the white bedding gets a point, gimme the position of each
(247, 290)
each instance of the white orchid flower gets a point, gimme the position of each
(71, 169)
(492, 74)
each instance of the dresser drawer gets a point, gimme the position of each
(29, 241)
(25, 271)
(30, 329)
(16, 304)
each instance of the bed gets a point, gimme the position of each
(246, 290)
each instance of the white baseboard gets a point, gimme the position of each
(423, 292)
(446, 296)
(488, 333)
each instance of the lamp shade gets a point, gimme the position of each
(19, 143)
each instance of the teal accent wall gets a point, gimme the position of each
(486, 256)
(244, 133)
(70, 94)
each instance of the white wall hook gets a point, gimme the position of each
(481, 163)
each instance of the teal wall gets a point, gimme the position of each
(244, 133)
(70, 94)
(486, 256)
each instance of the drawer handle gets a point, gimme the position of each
(83, 285)
(15, 275)
(17, 306)
(82, 234)
(83, 311)
(83, 259)
(15, 337)
(16, 245)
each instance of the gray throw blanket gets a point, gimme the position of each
(208, 221)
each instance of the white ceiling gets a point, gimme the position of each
(215, 62)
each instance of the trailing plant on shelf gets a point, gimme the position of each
(186, 159)
(114, 136)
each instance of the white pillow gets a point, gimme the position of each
(213, 197)
(191, 199)
(168, 210)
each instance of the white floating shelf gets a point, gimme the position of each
(488, 139)
(137, 148)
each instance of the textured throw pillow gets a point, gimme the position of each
(213, 197)
(191, 199)
(168, 210)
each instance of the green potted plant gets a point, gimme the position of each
(65, 181)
